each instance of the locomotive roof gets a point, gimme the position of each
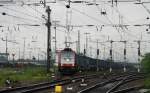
(67, 49)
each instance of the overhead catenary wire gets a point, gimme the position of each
(146, 8)
(133, 52)
(100, 20)
(101, 43)
(110, 21)
(132, 35)
(83, 12)
(39, 12)
(18, 17)
(91, 17)
(21, 12)
(28, 3)
(116, 9)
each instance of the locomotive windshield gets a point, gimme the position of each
(68, 56)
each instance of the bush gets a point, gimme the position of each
(146, 68)
(146, 63)
(147, 82)
(27, 74)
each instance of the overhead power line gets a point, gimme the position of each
(102, 43)
(35, 10)
(22, 13)
(85, 14)
(146, 8)
(26, 19)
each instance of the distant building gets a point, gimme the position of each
(4, 58)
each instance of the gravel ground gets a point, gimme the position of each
(103, 89)
(76, 86)
(133, 83)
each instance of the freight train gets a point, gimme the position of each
(69, 62)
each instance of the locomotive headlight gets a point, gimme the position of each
(67, 60)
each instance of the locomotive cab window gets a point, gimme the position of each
(67, 56)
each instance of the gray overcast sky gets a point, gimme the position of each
(127, 13)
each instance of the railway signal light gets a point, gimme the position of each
(97, 51)
(3, 13)
(124, 51)
(84, 51)
(146, 29)
(67, 6)
(111, 52)
(139, 53)
(13, 55)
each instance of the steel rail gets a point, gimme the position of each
(115, 79)
(40, 86)
(124, 81)
(60, 83)
(128, 89)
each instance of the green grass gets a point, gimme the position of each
(27, 74)
(147, 81)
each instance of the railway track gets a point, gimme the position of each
(88, 85)
(111, 85)
(129, 89)
(124, 81)
(82, 83)
(46, 85)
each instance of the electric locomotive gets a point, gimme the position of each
(67, 61)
